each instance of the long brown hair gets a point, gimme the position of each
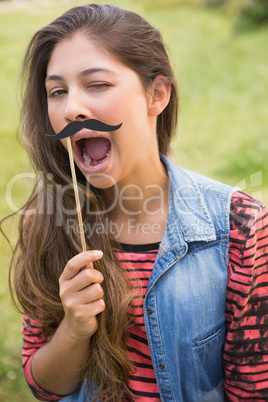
(45, 243)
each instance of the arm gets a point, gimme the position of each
(33, 339)
(246, 349)
(56, 366)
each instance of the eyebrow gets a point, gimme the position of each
(84, 73)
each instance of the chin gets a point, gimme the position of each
(100, 181)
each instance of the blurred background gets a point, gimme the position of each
(219, 50)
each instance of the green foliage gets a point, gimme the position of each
(249, 14)
(253, 14)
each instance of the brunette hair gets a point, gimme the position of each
(45, 244)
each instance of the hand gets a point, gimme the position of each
(81, 294)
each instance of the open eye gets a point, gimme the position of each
(56, 92)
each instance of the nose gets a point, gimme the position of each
(76, 108)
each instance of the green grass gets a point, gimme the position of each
(223, 81)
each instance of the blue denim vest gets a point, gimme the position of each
(184, 307)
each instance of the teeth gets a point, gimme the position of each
(88, 160)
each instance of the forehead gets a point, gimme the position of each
(79, 52)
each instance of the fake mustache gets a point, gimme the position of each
(75, 126)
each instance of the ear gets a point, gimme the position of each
(159, 95)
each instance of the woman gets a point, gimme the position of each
(144, 314)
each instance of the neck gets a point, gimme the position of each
(141, 207)
(143, 193)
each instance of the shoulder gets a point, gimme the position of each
(248, 221)
(201, 204)
(246, 204)
(203, 184)
(246, 211)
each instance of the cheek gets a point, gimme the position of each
(120, 106)
(55, 121)
(64, 143)
(110, 111)
(133, 105)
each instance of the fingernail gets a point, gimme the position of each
(98, 253)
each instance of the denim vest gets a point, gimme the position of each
(184, 307)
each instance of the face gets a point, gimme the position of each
(85, 82)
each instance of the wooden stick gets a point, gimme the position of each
(76, 193)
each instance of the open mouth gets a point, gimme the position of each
(94, 150)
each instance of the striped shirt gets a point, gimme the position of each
(137, 262)
(246, 346)
(245, 353)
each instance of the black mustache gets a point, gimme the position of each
(75, 126)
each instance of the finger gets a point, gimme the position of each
(75, 302)
(78, 262)
(90, 293)
(83, 320)
(97, 307)
(80, 281)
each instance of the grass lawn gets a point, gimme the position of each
(223, 127)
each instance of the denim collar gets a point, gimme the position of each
(188, 216)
